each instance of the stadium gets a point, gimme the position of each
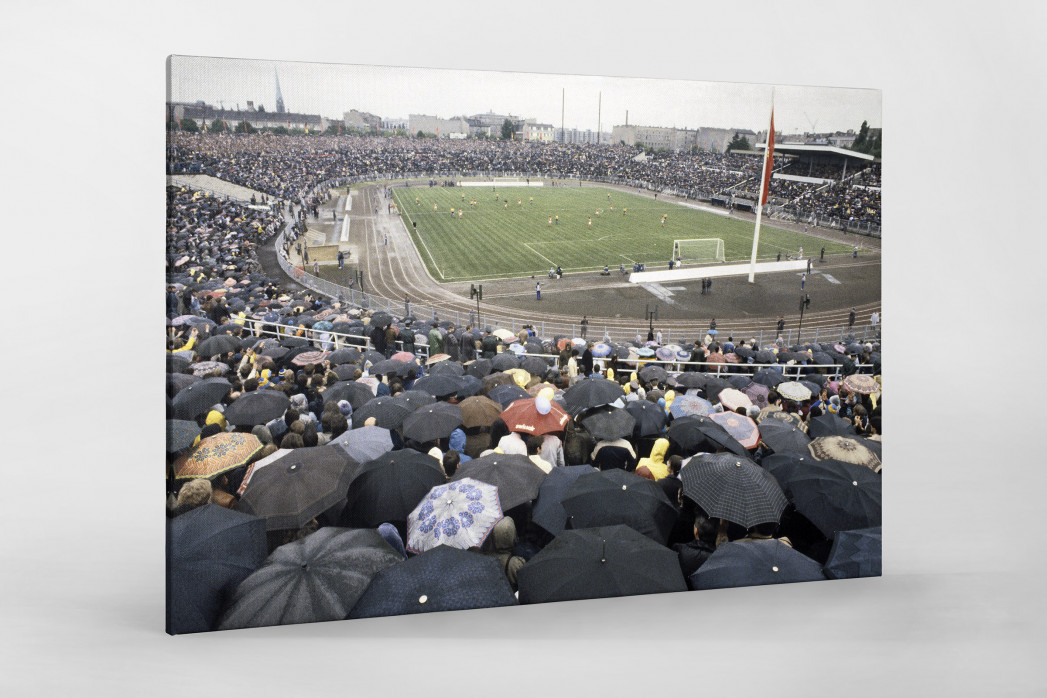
(409, 375)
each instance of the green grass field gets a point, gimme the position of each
(492, 240)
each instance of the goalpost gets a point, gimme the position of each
(698, 250)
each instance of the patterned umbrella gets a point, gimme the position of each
(732, 399)
(757, 394)
(522, 415)
(783, 416)
(208, 368)
(846, 449)
(217, 454)
(793, 390)
(742, 428)
(601, 349)
(734, 488)
(460, 514)
(861, 383)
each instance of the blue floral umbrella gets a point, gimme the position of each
(460, 514)
(600, 349)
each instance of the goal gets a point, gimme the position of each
(698, 250)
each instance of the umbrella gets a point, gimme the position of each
(742, 428)
(437, 358)
(684, 405)
(828, 424)
(415, 399)
(782, 416)
(491, 381)
(459, 514)
(381, 319)
(298, 487)
(783, 437)
(257, 407)
(856, 554)
(388, 412)
(502, 333)
(713, 387)
(387, 488)
(505, 360)
(432, 422)
(217, 454)
(365, 443)
(845, 449)
(650, 418)
(757, 394)
(591, 392)
(309, 357)
(732, 399)
(520, 377)
(373, 356)
(180, 434)
(598, 563)
(345, 372)
(600, 349)
(833, 495)
(479, 411)
(665, 353)
(861, 383)
(405, 356)
(732, 488)
(687, 379)
(478, 367)
(548, 511)
(615, 496)
(769, 377)
(437, 386)
(210, 550)
(539, 387)
(523, 415)
(317, 578)
(653, 373)
(607, 423)
(276, 353)
(441, 579)
(346, 355)
(793, 390)
(356, 394)
(505, 395)
(447, 368)
(207, 368)
(695, 433)
(516, 477)
(389, 366)
(755, 563)
(295, 343)
(535, 366)
(197, 398)
(176, 363)
(219, 344)
(468, 386)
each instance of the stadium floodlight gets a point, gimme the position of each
(698, 250)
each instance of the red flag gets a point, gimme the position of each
(769, 165)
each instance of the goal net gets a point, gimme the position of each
(698, 250)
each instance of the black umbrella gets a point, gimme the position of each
(438, 385)
(766, 356)
(257, 407)
(364, 443)
(199, 397)
(432, 422)
(516, 477)
(653, 373)
(388, 412)
(210, 550)
(177, 381)
(416, 399)
(691, 379)
(505, 361)
(346, 372)
(695, 433)
(219, 344)
(783, 437)
(608, 423)
(505, 395)
(180, 434)
(381, 319)
(856, 554)
(295, 343)
(535, 366)
(478, 367)
(276, 353)
(345, 355)
(388, 488)
(440, 579)
(468, 386)
(177, 364)
(650, 418)
(532, 346)
(388, 366)
(745, 353)
(599, 563)
(738, 382)
(317, 578)
(493, 380)
(615, 496)
(713, 387)
(755, 563)
(447, 368)
(833, 495)
(828, 424)
(298, 487)
(769, 377)
(591, 392)
(728, 487)
(548, 511)
(357, 394)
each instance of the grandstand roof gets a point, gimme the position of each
(800, 148)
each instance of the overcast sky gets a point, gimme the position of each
(392, 92)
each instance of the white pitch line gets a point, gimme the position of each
(528, 246)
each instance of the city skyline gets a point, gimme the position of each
(330, 90)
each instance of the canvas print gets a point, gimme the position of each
(442, 340)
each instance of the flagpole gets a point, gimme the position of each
(764, 185)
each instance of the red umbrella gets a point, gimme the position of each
(309, 357)
(402, 356)
(743, 429)
(528, 416)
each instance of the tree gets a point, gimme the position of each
(189, 125)
(261, 109)
(507, 130)
(245, 127)
(866, 143)
(280, 130)
(332, 129)
(739, 142)
(217, 126)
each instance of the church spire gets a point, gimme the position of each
(279, 97)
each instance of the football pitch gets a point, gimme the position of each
(507, 231)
